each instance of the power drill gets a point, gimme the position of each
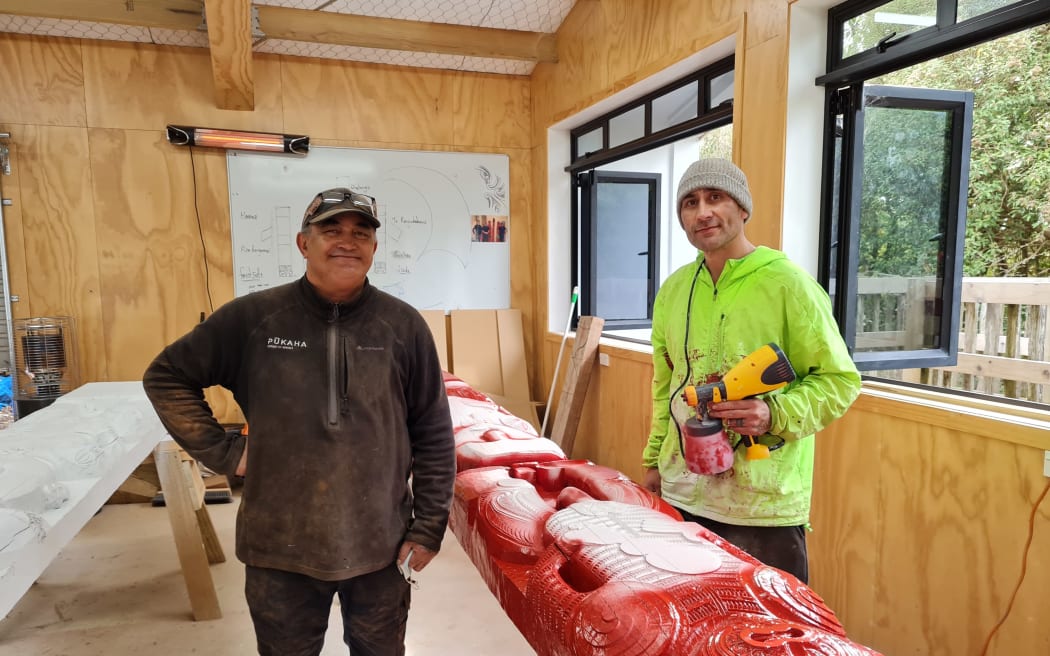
(764, 370)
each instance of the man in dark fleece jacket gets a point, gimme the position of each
(342, 389)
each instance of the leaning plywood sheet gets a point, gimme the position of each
(475, 349)
(89, 441)
(512, 355)
(523, 408)
(437, 322)
(488, 351)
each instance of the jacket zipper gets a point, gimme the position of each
(333, 367)
(720, 339)
(345, 392)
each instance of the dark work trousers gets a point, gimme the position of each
(290, 611)
(783, 547)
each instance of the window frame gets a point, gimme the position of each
(583, 163)
(843, 84)
(960, 105)
(588, 182)
(704, 119)
(945, 37)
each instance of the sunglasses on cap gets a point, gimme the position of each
(332, 202)
(361, 200)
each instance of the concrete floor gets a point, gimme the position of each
(117, 589)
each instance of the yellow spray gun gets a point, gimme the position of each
(764, 370)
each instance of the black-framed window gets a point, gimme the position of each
(867, 38)
(621, 218)
(905, 202)
(616, 217)
(671, 112)
(878, 244)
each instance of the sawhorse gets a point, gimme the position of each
(195, 539)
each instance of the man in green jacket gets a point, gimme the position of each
(707, 317)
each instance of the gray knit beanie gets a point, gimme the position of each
(715, 173)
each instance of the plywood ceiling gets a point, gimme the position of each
(492, 36)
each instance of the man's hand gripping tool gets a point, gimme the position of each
(762, 371)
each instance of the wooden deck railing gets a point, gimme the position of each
(1004, 340)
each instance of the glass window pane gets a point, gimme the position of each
(676, 106)
(970, 8)
(898, 16)
(716, 143)
(589, 143)
(627, 126)
(903, 219)
(621, 253)
(719, 90)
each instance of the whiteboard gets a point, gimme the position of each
(444, 242)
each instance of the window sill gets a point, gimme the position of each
(984, 417)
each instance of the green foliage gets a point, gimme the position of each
(1008, 217)
(905, 155)
(717, 142)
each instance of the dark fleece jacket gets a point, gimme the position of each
(344, 402)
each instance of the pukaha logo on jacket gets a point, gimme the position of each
(285, 344)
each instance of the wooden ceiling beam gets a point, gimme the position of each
(230, 40)
(166, 14)
(298, 25)
(397, 34)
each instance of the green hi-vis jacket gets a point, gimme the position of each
(760, 298)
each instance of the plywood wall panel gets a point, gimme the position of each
(491, 110)
(536, 317)
(145, 274)
(931, 557)
(145, 240)
(525, 281)
(367, 102)
(936, 520)
(762, 129)
(614, 427)
(58, 235)
(212, 195)
(606, 46)
(766, 19)
(579, 70)
(146, 88)
(42, 81)
(639, 33)
(624, 402)
(846, 517)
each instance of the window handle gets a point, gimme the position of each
(888, 41)
(644, 253)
